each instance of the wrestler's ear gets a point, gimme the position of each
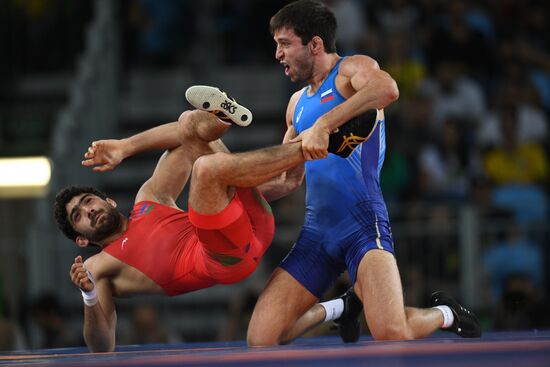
(82, 241)
(111, 201)
(316, 45)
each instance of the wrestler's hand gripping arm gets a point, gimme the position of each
(365, 86)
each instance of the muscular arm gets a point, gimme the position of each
(290, 180)
(287, 182)
(194, 134)
(100, 318)
(100, 321)
(365, 87)
(105, 155)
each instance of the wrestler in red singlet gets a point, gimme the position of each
(183, 252)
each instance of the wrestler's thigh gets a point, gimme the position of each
(282, 302)
(379, 287)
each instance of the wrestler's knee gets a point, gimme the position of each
(186, 125)
(263, 330)
(194, 116)
(204, 168)
(185, 116)
(189, 121)
(210, 166)
(258, 337)
(391, 331)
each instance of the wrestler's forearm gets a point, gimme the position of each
(284, 184)
(163, 137)
(288, 181)
(99, 335)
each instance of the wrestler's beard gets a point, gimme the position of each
(106, 226)
(302, 68)
(299, 76)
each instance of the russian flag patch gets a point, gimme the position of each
(327, 96)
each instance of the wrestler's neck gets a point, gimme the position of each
(116, 234)
(322, 65)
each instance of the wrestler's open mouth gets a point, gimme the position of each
(286, 68)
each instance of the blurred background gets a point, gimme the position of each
(466, 175)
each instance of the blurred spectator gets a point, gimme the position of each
(146, 327)
(407, 71)
(417, 118)
(444, 166)
(522, 306)
(455, 95)
(352, 29)
(513, 256)
(162, 28)
(478, 17)
(525, 41)
(514, 96)
(519, 172)
(515, 162)
(455, 39)
(413, 120)
(48, 314)
(395, 178)
(397, 16)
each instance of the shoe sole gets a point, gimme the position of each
(213, 100)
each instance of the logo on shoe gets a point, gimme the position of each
(228, 106)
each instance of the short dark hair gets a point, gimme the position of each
(61, 200)
(308, 19)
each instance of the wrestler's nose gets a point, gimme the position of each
(278, 53)
(90, 211)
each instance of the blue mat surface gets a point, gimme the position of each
(514, 349)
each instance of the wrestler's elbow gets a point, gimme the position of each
(391, 92)
(100, 347)
(296, 183)
(98, 340)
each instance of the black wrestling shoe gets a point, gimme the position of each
(213, 100)
(347, 137)
(465, 323)
(348, 324)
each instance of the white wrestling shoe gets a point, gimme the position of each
(213, 100)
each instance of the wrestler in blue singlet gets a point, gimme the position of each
(345, 212)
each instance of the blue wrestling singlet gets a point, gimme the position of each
(346, 215)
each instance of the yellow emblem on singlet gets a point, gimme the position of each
(350, 141)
